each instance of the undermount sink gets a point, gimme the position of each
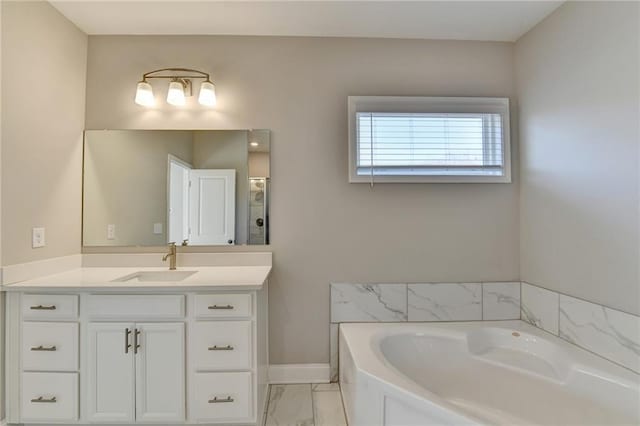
(156, 276)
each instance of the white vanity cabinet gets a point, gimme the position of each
(125, 357)
(141, 362)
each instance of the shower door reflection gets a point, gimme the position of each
(258, 208)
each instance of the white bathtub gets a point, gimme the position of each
(498, 373)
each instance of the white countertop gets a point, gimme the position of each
(102, 278)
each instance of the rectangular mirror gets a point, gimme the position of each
(191, 187)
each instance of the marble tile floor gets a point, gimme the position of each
(305, 405)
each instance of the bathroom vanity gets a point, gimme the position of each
(138, 345)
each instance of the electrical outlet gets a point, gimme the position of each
(37, 238)
(111, 231)
(157, 228)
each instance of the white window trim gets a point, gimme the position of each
(427, 104)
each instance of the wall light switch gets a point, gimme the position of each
(111, 231)
(37, 238)
(157, 228)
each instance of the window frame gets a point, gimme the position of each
(427, 104)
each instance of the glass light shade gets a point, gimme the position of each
(144, 94)
(207, 95)
(175, 96)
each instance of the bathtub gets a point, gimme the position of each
(483, 372)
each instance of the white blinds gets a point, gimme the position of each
(429, 144)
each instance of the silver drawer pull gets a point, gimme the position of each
(43, 348)
(43, 308)
(216, 400)
(220, 348)
(42, 399)
(221, 307)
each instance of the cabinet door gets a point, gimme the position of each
(110, 370)
(160, 373)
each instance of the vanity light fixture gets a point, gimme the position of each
(207, 94)
(180, 87)
(175, 95)
(254, 144)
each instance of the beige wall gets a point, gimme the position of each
(578, 91)
(42, 75)
(125, 184)
(227, 150)
(323, 228)
(43, 103)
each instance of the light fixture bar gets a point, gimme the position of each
(200, 74)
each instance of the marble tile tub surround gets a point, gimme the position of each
(368, 302)
(444, 302)
(539, 307)
(607, 332)
(333, 351)
(500, 301)
(419, 302)
(424, 302)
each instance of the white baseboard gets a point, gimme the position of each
(298, 373)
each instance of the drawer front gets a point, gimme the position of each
(50, 346)
(49, 307)
(223, 305)
(222, 345)
(49, 397)
(170, 306)
(222, 397)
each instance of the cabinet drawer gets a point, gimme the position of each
(50, 346)
(103, 306)
(223, 305)
(221, 397)
(49, 397)
(222, 345)
(49, 307)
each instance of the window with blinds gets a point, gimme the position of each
(451, 140)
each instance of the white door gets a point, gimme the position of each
(212, 201)
(110, 381)
(160, 373)
(178, 200)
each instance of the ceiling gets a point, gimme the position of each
(451, 20)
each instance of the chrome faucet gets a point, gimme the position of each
(171, 256)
